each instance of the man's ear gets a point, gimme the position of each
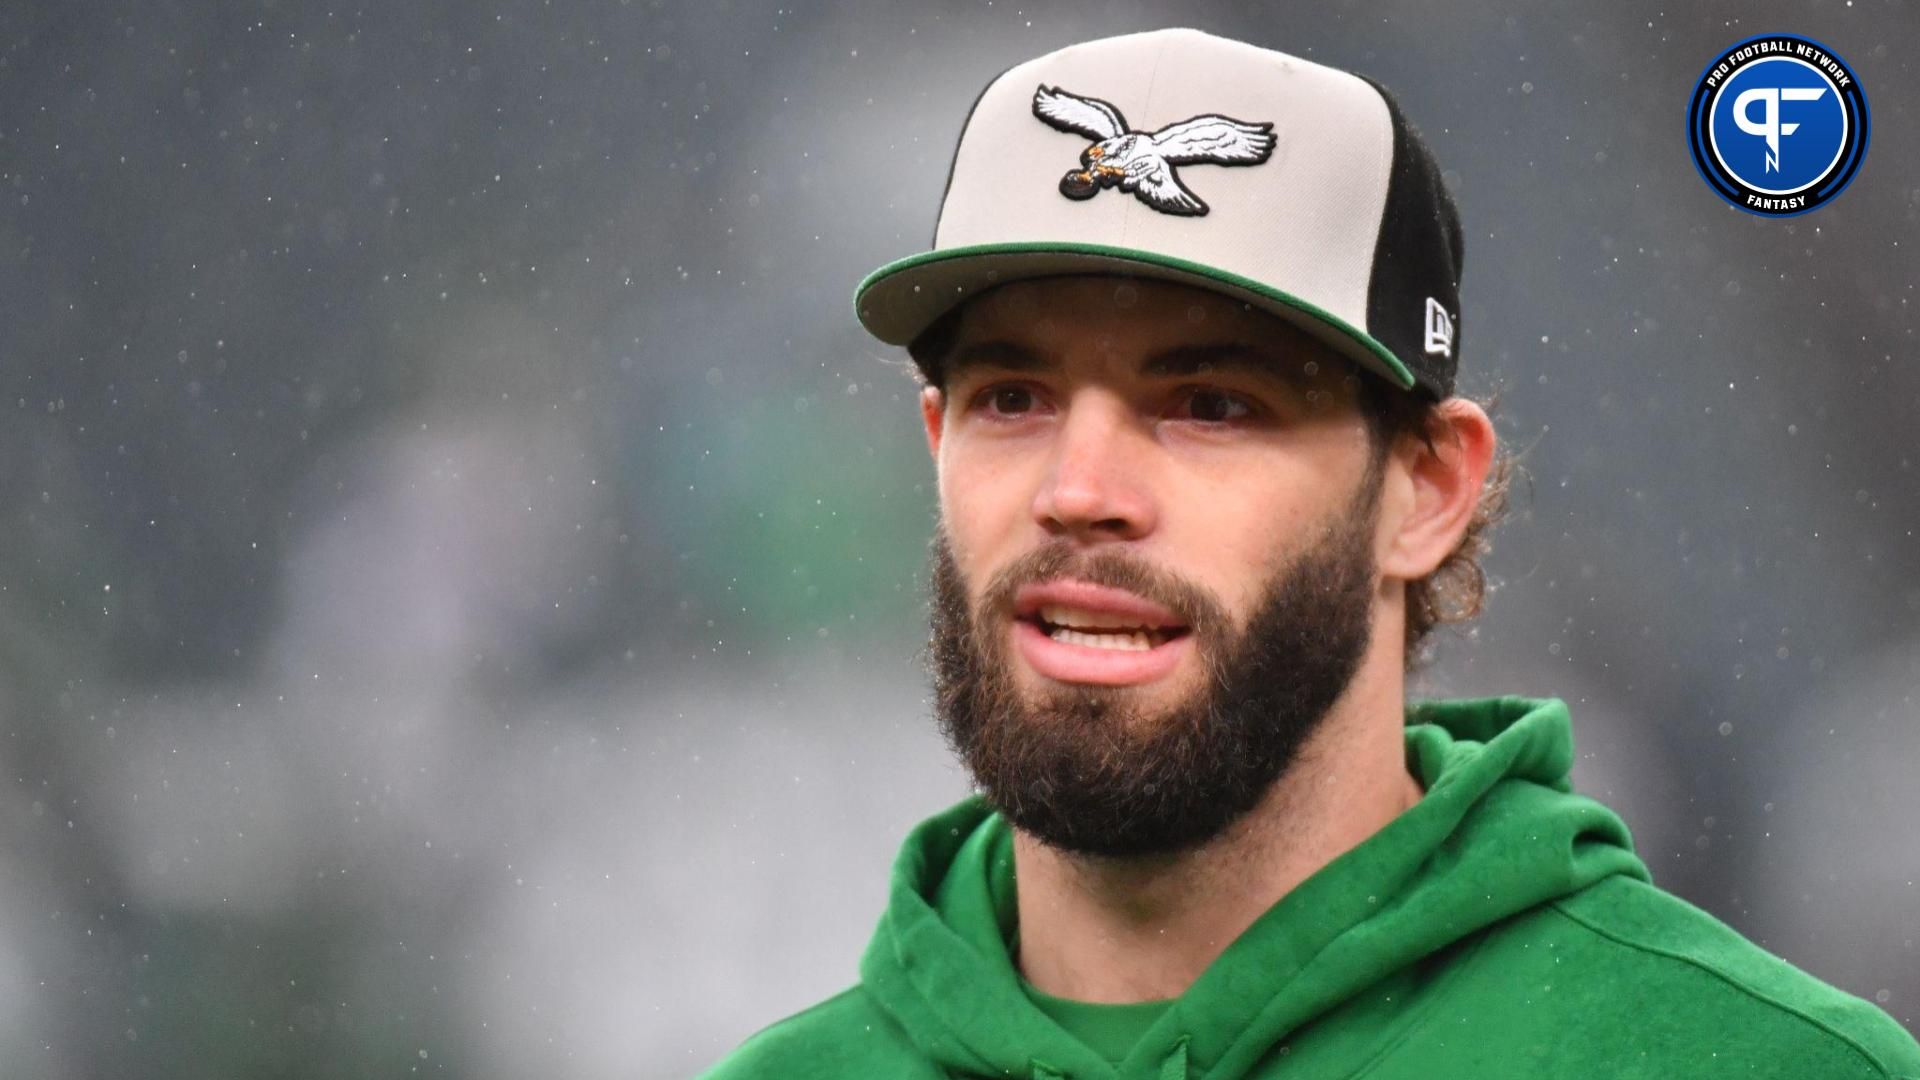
(1444, 488)
(933, 410)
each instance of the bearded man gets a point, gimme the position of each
(1205, 488)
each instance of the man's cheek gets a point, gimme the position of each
(982, 517)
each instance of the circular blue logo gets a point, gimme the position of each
(1778, 125)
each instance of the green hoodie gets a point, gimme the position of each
(1501, 927)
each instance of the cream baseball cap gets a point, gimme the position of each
(1179, 155)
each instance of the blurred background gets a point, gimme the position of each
(462, 564)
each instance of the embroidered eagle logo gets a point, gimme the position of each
(1142, 162)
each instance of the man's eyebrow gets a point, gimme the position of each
(1226, 356)
(994, 353)
(1179, 360)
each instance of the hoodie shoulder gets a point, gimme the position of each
(845, 1035)
(1677, 959)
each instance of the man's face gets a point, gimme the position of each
(1119, 454)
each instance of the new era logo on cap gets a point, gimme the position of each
(1294, 186)
(1439, 329)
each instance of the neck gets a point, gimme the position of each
(1126, 930)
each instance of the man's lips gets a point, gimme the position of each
(1113, 607)
(1120, 621)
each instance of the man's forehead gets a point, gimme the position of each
(1157, 328)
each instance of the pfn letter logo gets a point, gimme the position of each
(1771, 128)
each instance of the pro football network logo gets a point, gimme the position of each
(1778, 125)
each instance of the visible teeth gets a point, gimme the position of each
(1088, 620)
(1137, 641)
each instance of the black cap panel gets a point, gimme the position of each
(1413, 298)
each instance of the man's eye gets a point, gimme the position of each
(1209, 405)
(1007, 400)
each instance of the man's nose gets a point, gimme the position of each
(1096, 482)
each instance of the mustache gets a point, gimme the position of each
(1109, 567)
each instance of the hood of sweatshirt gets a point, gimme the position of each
(1499, 830)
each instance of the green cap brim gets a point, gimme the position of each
(899, 300)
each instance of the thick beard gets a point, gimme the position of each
(1083, 768)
